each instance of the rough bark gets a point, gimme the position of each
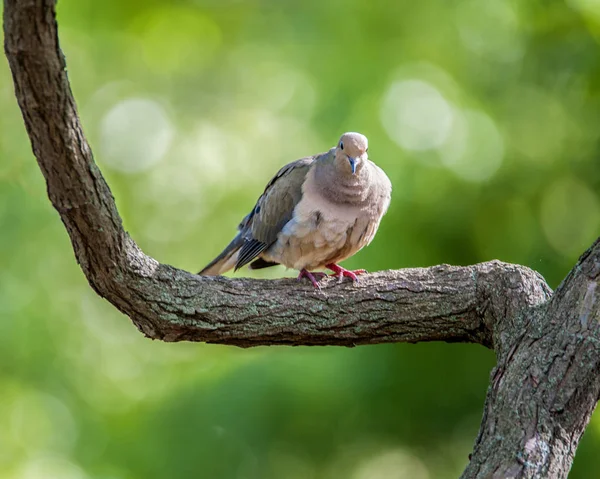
(546, 382)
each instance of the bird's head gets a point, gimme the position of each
(351, 152)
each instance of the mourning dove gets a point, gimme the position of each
(315, 212)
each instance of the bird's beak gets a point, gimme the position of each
(352, 164)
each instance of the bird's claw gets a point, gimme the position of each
(340, 272)
(314, 277)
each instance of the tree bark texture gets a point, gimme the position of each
(542, 391)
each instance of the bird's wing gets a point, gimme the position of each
(273, 210)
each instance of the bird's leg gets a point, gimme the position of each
(341, 272)
(304, 273)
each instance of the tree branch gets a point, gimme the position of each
(546, 384)
(542, 391)
(442, 303)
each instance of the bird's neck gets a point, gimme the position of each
(338, 185)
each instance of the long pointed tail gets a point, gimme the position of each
(226, 260)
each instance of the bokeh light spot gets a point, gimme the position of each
(474, 149)
(535, 124)
(271, 84)
(570, 216)
(490, 29)
(589, 8)
(50, 466)
(396, 464)
(177, 38)
(134, 135)
(41, 422)
(416, 115)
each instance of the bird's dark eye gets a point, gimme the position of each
(367, 150)
(341, 145)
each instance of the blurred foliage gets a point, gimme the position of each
(485, 116)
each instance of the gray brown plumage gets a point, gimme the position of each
(315, 212)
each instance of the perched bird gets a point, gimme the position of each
(315, 212)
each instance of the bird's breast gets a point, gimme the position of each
(321, 232)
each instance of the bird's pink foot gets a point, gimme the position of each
(304, 273)
(341, 272)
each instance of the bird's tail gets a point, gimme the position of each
(226, 260)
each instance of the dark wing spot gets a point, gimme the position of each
(318, 218)
(349, 232)
(261, 263)
(362, 235)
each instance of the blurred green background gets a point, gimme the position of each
(485, 115)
